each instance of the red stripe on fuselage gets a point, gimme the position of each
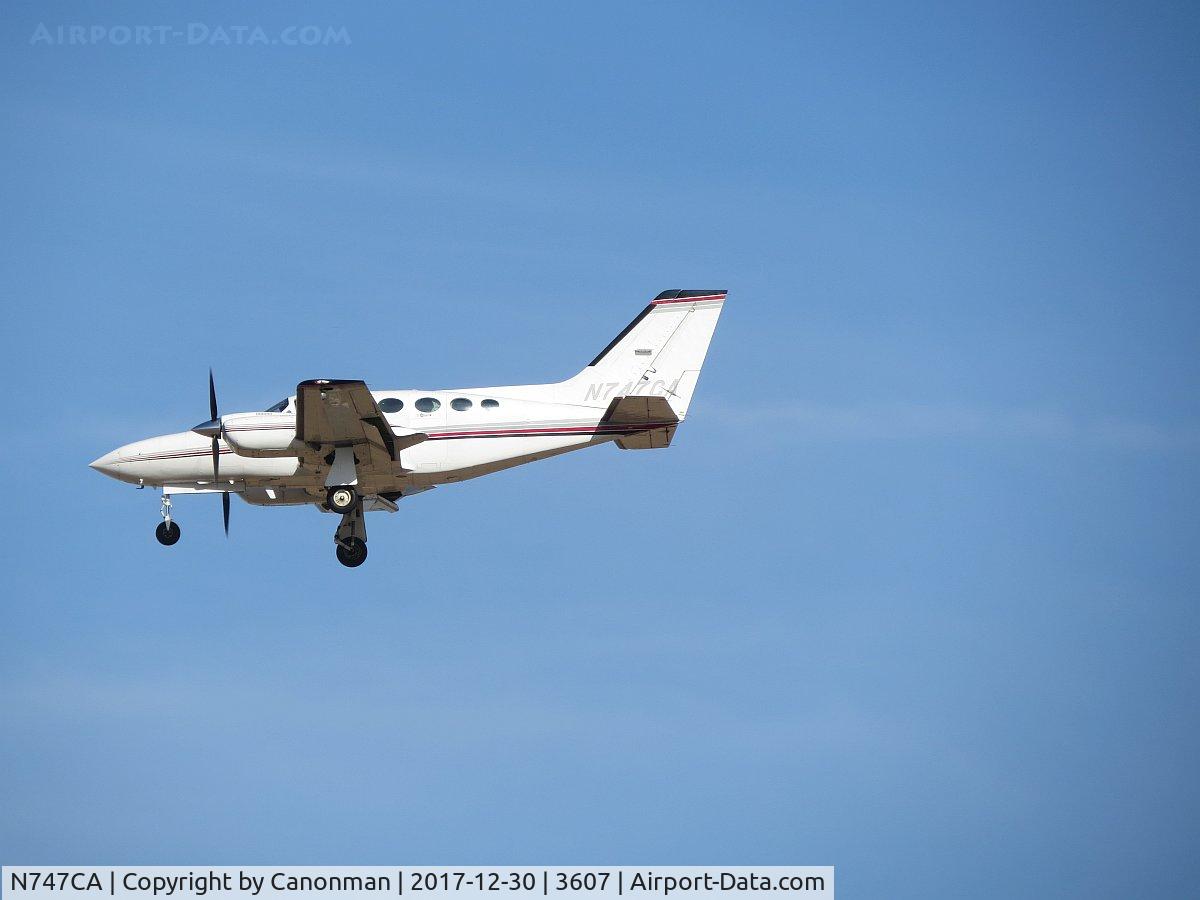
(550, 432)
(687, 299)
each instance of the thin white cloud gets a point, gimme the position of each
(348, 166)
(930, 421)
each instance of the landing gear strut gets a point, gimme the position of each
(351, 537)
(167, 531)
(342, 497)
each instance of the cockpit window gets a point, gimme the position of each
(280, 406)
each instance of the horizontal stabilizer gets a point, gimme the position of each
(653, 418)
(404, 441)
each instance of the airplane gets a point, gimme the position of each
(350, 450)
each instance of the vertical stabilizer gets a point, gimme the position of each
(659, 354)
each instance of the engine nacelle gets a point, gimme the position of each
(261, 434)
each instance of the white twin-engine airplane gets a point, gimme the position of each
(350, 450)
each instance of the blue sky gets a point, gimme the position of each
(913, 593)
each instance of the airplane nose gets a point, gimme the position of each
(106, 464)
(209, 429)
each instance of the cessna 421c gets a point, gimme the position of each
(350, 450)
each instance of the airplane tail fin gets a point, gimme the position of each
(659, 354)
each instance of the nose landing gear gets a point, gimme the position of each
(167, 531)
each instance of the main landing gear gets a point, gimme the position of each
(352, 553)
(351, 535)
(167, 531)
(341, 498)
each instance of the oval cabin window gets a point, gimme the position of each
(428, 405)
(490, 404)
(462, 404)
(391, 404)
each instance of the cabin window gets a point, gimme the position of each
(280, 406)
(490, 404)
(391, 404)
(428, 405)
(462, 404)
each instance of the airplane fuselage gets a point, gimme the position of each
(514, 427)
(349, 450)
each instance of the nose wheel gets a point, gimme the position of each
(167, 531)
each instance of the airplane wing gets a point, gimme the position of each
(331, 414)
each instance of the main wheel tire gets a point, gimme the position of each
(167, 534)
(341, 499)
(352, 553)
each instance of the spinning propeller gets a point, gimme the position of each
(212, 429)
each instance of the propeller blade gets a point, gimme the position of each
(212, 397)
(214, 419)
